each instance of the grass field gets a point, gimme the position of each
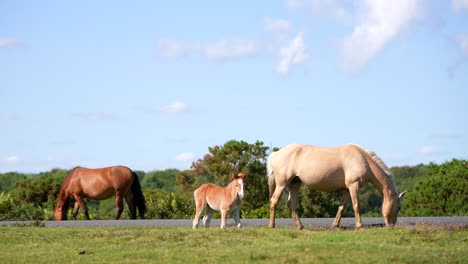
(412, 244)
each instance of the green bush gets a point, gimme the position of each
(444, 192)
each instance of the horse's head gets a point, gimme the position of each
(390, 208)
(239, 178)
(61, 210)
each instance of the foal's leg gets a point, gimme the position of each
(274, 201)
(224, 212)
(292, 203)
(208, 216)
(199, 205)
(119, 205)
(236, 214)
(345, 197)
(354, 193)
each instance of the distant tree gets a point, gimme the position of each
(8, 180)
(34, 197)
(164, 179)
(444, 192)
(234, 156)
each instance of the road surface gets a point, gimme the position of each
(308, 222)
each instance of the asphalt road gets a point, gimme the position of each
(307, 222)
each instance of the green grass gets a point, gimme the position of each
(413, 244)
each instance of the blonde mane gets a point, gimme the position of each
(378, 161)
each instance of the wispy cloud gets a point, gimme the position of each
(334, 8)
(228, 48)
(12, 159)
(292, 54)
(447, 135)
(379, 23)
(459, 5)
(429, 150)
(177, 107)
(288, 50)
(8, 116)
(6, 42)
(276, 25)
(461, 42)
(171, 48)
(185, 157)
(97, 116)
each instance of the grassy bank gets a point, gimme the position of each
(413, 244)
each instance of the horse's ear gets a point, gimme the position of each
(234, 175)
(402, 195)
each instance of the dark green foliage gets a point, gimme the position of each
(443, 192)
(433, 190)
(8, 180)
(168, 205)
(34, 197)
(235, 156)
(164, 180)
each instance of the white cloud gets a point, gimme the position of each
(227, 48)
(97, 116)
(12, 159)
(8, 117)
(291, 54)
(185, 157)
(334, 8)
(171, 48)
(5, 42)
(380, 21)
(462, 43)
(289, 50)
(427, 150)
(177, 107)
(276, 25)
(459, 5)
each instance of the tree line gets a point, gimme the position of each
(433, 190)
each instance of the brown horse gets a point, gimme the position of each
(328, 169)
(100, 184)
(216, 198)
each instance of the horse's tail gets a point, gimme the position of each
(271, 174)
(138, 197)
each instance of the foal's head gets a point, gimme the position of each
(239, 179)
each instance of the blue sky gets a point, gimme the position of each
(152, 85)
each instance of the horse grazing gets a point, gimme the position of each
(328, 169)
(216, 198)
(100, 184)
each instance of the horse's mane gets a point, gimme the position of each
(377, 160)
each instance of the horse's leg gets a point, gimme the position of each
(131, 204)
(208, 216)
(199, 206)
(292, 203)
(82, 204)
(119, 205)
(76, 207)
(273, 202)
(354, 193)
(344, 201)
(223, 217)
(236, 214)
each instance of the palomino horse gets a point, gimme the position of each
(100, 184)
(216, 198)
(328, 169)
